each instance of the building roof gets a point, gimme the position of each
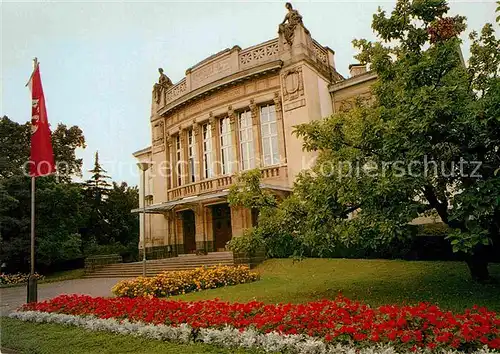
(141, 152)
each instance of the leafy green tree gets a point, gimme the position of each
(246, 192)
(429, 141)
(14, 146)
(58, 218)
(15, 149)
(58, 202)
(122, 198)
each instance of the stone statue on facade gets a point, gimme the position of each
(292, 19)
(163, 83)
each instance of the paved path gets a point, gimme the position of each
(12, 298)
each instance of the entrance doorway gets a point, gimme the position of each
(188, 231)
(221, 221)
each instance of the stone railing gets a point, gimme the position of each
(93, 263)
(270, 172)
(320, 53)
(257, 55)
(175, 91)
(205, 186)
(220, 183)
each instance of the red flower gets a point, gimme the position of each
(341, 319)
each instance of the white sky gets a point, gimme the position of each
(99, 60)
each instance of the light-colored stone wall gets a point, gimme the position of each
(297, 77)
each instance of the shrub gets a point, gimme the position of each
(433, 229)
(249, 243)
(184, 281)
(94, 249)
(17, 278)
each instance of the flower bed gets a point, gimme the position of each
(185, 281)
(18, 278)
(325, 323)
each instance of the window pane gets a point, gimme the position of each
(273, 128)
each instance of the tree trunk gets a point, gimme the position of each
(478, 264)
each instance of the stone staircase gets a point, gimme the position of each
(153, 267)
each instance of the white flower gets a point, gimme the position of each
(229, 337)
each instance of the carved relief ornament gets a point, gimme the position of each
(158, 133)
(293, 84)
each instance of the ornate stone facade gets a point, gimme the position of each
(235, 111)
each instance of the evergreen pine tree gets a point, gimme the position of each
(97, 189)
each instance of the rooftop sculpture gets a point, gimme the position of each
(291, 20)
(163, 83)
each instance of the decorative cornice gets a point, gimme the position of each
(224, 82)
(141, 152)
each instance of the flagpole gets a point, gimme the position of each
(32, 282)
(32, 271)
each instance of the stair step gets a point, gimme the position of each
(170, 265)
(157, 266)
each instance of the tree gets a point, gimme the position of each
(58, 219)
(246, 192)
(429, 141)
(15, 148)
(96, 193)
(59, 202)
(125, 225)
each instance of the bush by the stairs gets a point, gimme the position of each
(184, 281)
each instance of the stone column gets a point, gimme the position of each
(235, 161)
(254, 109)
(279, 126)
(199, 227)
(216, 159)
(179, 237)
(185, 156)
(198, 161)
(172, 171)
(182, 135)
(208, 227)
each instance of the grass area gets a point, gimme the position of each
(375, 282)
(56, 276)
(26, 337)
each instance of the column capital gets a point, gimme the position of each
(254, 111)
(182, 135)
(211, 120)
(231, 115)
(277, 102)
(196, 128)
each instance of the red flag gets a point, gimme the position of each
(42, 156)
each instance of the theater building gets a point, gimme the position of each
(235, 111)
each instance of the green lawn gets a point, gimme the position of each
(34, 338)
(375, 282)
